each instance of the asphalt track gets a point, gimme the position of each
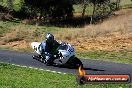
(90, 66)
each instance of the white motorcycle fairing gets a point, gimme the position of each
(65, 55)
(36, 47)
(67, 51)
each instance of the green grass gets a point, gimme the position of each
(31, 32)
(125, 2)
(89, 9)
(113, 56)
(18, 77)
(17, 49)
(5, 48)
(6, 26)
(127, 6)
(79, 9)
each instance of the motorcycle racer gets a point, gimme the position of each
(58, 54)
(51, 46)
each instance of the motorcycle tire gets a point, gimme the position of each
(74, 62)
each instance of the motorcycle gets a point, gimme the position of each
(65, 56)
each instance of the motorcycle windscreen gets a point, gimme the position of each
(63, 47)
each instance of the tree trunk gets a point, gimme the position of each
(10, 4)
(117, 4)
(94, 6)
(84, 8)
(41, 14)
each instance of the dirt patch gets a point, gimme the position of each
(17, 44)
(116, 42)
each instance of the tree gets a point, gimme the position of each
(52, 9)
(94, 6)
(84, 7)
(10, 4)
(117, 4)
(100, 8)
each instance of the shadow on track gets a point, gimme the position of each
(93, 69)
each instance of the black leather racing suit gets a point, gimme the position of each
(50, 50)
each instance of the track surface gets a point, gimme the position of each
(90, 66)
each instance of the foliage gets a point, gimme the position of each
(12, 4)
(58, 10)
(51, 9)
(44, 9)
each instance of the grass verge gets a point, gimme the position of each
(113, 56)
(127, 6)
(18, 77)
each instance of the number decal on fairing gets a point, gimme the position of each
(71, 50)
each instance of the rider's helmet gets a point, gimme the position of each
(49, 38)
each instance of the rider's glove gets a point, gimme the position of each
(46, 53)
